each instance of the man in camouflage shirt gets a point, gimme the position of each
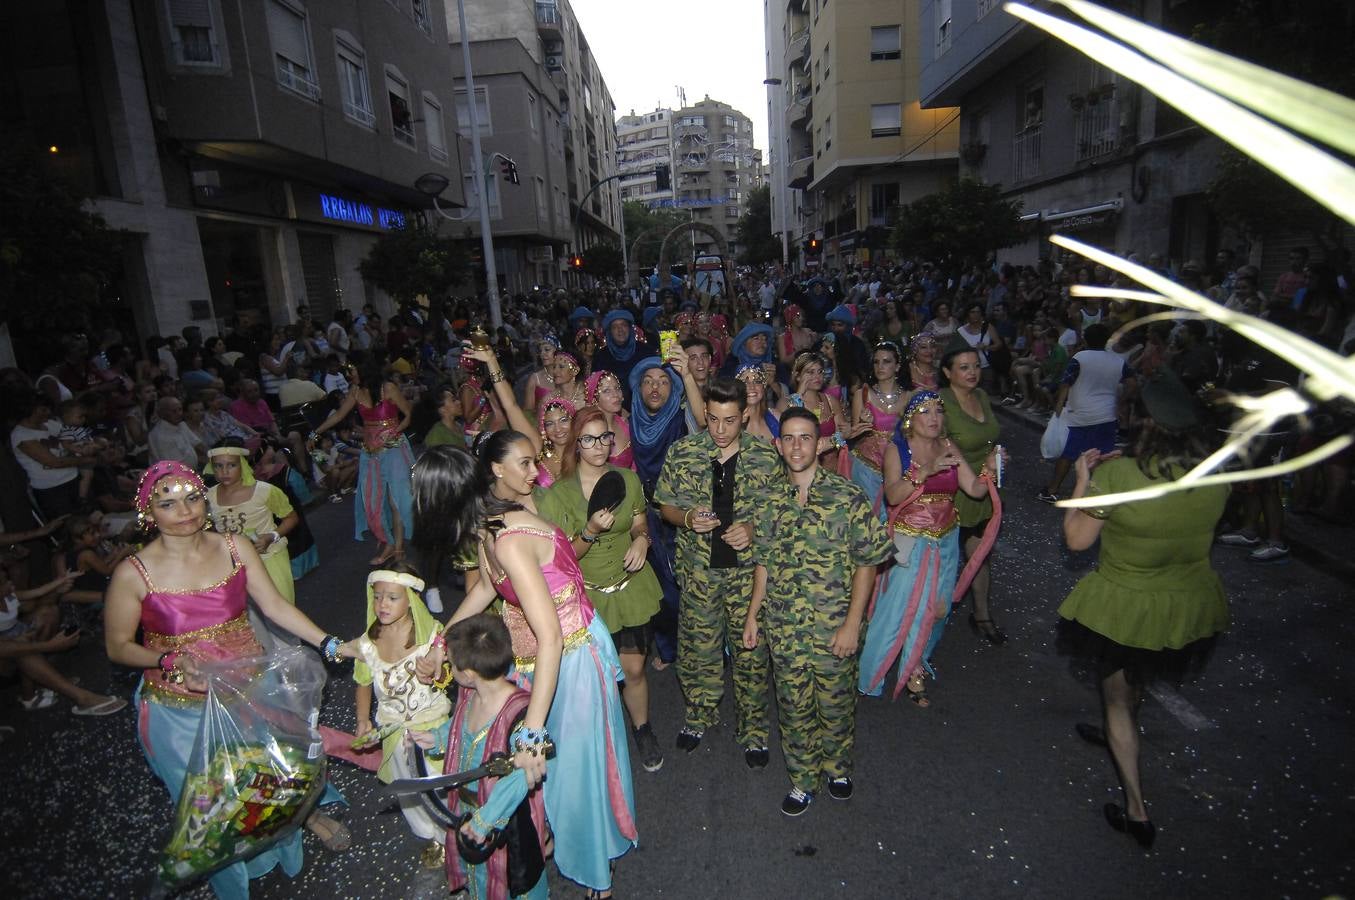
(817, 546)
(711, 484)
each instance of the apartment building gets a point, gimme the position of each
(1087, 153)
(532, 66)
(645, 142)
(251, 151)
(851, 141)
(716, 165)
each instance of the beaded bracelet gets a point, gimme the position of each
(530, 740)
(496, 377)
(329, 648)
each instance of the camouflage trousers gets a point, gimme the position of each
(816, 705)
(710, 622)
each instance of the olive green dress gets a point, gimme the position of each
(1153, 587)
(975, 440)
(623, 599)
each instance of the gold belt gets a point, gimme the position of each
(612, 588)
(175, 641)
(573, 641)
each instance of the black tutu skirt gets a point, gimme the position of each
(1092, 655)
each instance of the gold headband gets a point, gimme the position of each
(401, 578)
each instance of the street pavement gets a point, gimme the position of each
(988, 793)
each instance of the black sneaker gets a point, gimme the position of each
(651, 757)
(796, 802)
(689, 739)
(840, 788)
(756, 757)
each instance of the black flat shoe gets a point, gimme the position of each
(1143, 832)
(1092, 734)
(992, 634)
(756, 757)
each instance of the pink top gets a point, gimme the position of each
(625, 455)
(870, 448)
(565, 583)
(933, 513)
(207, 622)
(379, 425)
(256, 415)
(543, 476)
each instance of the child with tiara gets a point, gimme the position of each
(501, 847)
(399, 630)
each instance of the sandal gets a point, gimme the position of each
(41, 699)
(105, 707)
(383, 557)
(917, 692)
(595, 894)
(988, 630)
(330, 832)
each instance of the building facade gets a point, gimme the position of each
(527, 52)
(1087, 153)
(851, 141)
(251, 152)
(645, 142)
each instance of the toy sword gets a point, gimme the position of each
(498, 765)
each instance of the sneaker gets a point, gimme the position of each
(1239, 539)
(1270, 553)
(432, 598)
(840, 788)
(796, 802)
(689, 739)
(44, 698)
(756, 757)
(335, 498)
(1047, 497)
(651, 757)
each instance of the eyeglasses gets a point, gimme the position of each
(588, 441)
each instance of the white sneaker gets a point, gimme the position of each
(1239, 539)
(1270, 553)
(432, 598)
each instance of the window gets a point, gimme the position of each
(944, 31)
(432, 128)
(587, 97)
(291, 48)
(731, 122)
(481, 111)
(542, 209)
(357, 97)
(561, 210)
(193, 33)
(827, 60)
(402, 117)
(885, 120)
(983, 8)
(884, 199)
(531, 110)
(421, 18)
(884, 42)
(827, 132)
(732, 212)
(491, 188)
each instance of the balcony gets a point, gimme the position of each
(801, 173)
(798, 111)
(548, 20)
(1096, 130)
(798, 51)
(690, 131)
(694, 162)
(1026, 152)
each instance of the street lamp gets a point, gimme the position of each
(486, 239)
(782, 140)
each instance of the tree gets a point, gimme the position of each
(754, 231)
(412, 260)
(56, 257)
(603, 261)
(965, 222)
(1256, 201)
(649, 226)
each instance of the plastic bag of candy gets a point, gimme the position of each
(257, 768)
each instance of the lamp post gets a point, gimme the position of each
(478, 176)
(783, 168)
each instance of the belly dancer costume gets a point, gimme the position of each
(383, 475)
(589, 799)
(865, 462)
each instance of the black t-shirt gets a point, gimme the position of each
(723, 556)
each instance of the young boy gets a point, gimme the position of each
(78, 439)
(338, 473)
(489, 708)
(91, 558)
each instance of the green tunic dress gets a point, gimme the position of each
(623, 599)
(1153, 587)
(975, 440)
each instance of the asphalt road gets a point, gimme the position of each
(988, 793)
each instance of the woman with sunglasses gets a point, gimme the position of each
(611, 544)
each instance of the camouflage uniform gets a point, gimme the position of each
(715, 601)
(811, 553)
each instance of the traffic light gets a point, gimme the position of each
(576, 261)
(663, 175)
(510, 170)
(813, 246)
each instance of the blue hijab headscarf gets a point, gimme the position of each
(651, 433)
(740, 349)
(580, 312)
(900, 437)
(620, 352)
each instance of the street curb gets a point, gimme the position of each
(1328, 562)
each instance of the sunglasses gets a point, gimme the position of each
(588, 441)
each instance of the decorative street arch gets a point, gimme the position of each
(706, 229)
(633, 276)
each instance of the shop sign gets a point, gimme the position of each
(341, 209)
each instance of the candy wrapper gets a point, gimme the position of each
(257, 768)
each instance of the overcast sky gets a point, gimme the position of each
(648, 48)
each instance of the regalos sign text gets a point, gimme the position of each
(354, 213)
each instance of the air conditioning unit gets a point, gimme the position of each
(554, 62)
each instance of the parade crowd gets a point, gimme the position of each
(799, 479)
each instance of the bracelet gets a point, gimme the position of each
(171, 672)
(530, 740)
(439, 640)
(444, 678)
(909, 475)
(838, 441)
(170, 655)
(329, 648)
(687, 519)
(586, 538)
(496, 377)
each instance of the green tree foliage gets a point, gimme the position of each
(754, 231)
(1256, 201)
(55, 257)
(414, 260)
(649, 226)
(603, 261)
(966, 221)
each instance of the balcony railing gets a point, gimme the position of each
(798, 111)
(1026, 153)
(404, 134)
(1097, 129)
(359, 114)
(295, 78)
(798, 49)
(801, 173)
(548, 18)
(437, 153)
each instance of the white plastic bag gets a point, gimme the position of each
(1055, 438)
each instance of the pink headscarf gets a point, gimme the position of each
(594, 382)
(553, 403)
(165, 468)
